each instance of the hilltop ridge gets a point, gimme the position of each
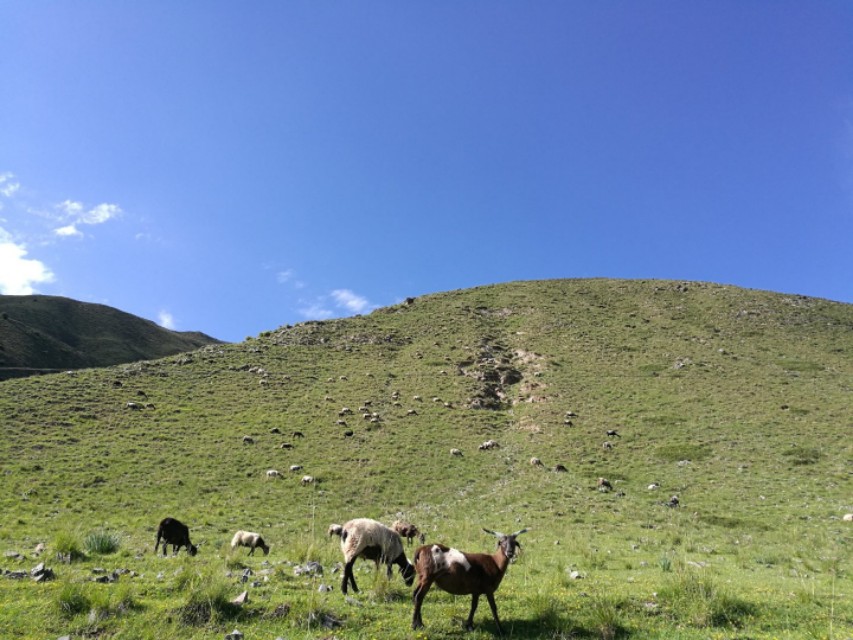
(49, 333)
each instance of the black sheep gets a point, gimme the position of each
(175, 533)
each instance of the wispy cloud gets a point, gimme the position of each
(75, 213)
(67, 231)
(288, 276)
(352, 302)
(8, 184)
(166, 320)
(315, 311)
(19, 274)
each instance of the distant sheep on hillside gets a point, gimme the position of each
(251, 540)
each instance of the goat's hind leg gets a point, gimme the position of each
(418, 596)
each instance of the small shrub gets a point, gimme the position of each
(72, 600)
(699, 601)
(665, 564)
(68, 544)
(605, 617)
(208, 600)
(102, 542)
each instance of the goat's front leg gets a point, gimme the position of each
(491, 598)
(475, 600)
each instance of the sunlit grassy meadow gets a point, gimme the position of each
(737, 401)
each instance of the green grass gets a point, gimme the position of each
(755, 445)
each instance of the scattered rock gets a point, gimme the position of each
(242, 599)
(311, 568)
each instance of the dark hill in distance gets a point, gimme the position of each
(39, 334)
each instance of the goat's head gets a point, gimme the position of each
(508, 543)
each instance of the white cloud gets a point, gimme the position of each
(315, 311)
(8, 184)
(166, 320)
(350, 301)
(71, 208)
(100, 214)
(284, 276)
(68, 231)
(18, 274)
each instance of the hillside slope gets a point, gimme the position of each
(736, 401)
(44, 333)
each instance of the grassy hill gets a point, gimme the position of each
(47, 333)
(736, 401)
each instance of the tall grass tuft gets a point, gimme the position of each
(207, 599)
(67, 544)
(102, 542)
(72, 600)
(697, 600)
(605, 617)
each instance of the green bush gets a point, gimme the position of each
(72, 600)
(102, 542)
(68, 544)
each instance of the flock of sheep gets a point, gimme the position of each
(451, 570)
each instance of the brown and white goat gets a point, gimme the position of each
(461, 573)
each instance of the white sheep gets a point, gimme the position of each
(848, 517)
(366, 538)
(456, 452)
(251, 540)
(273, 473)
(307, 480)
(536, 462)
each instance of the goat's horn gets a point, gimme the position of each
(518, 533)
(497, 534)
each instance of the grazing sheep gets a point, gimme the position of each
(307, 480)
(366, 538)
(674, 502)
(286, 445)
(251, 540)
(536, 462)
(613, 433)
(297, 434)
(607, 445)
(273, 473)
(604, 485)
(296, 467)
(456, 452)
(560, 468)
(489, 444)
(461, 573)
(848, 517)
(248, 440)
(335, 530)
(175, 533)
(653, 486)
(407, 530)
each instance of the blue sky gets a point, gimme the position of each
(230, 167)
